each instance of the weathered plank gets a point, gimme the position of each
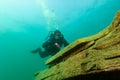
(95, 55)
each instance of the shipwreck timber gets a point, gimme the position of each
(91, 58)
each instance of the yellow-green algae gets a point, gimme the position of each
(100, 52)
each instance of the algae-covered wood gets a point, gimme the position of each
(99, 53)
(77, 43)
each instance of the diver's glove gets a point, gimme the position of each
(57, 45)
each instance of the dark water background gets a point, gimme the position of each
(24, 25)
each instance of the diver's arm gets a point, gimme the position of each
(65, 42)
(45, 44)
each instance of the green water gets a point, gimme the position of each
(24, 25)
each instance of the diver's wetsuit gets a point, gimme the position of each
(51, 48)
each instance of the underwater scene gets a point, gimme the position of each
(26, 24)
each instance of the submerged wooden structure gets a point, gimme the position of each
(92, 58)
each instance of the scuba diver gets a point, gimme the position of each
(52, 45)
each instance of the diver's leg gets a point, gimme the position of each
(43, 54)
(36, 50)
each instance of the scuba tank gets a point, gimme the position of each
(50, 35)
